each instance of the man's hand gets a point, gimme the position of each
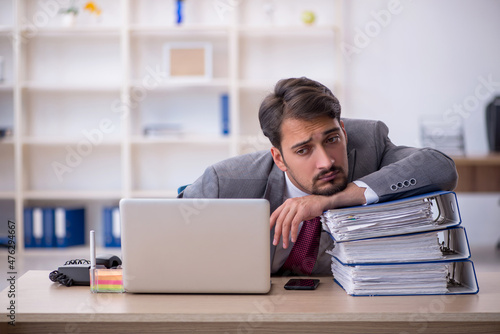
(290, 214)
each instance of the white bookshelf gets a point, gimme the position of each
(61, 83)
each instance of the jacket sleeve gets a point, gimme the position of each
(206, 186)
(244, 176)
(406, 171)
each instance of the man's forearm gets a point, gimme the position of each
(352, 195)
(293, 211)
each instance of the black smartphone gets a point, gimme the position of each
(302, 284)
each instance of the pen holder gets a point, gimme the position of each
(106, 280)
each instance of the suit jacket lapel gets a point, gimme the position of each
(275, 188)
(351, 159)
(274, 194)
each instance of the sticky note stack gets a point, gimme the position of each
(108, 280)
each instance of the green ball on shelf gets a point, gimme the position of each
(308, 17)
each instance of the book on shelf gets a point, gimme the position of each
(54, 227)
(69, 227)
(163, 130)
(112, 228)
(411, 246)
(33, 227)
(5, 132)
(225, 122)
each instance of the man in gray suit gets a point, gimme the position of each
(319, 162)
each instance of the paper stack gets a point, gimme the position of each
(409, 246)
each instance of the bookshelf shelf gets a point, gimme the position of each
(200, 30)
(72, 195)
(267, 85)
(66, 85)
(58, 141)
(154, 194)
(7, 142)
(216, 83)
(6, 88)
(95, 32)
(288, 31)
(6, 30)
(7, 195)
(71, 87)
(182, 139)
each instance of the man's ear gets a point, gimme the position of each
(278, 158)
(343, 130)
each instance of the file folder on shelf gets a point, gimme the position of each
(112, 228)
(33, 227)
(29, 240)
(434, 246)
(54, 227)
(397, 279)
(427, 212)
(48, 228)
(69, 227)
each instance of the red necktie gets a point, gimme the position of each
(305, 250)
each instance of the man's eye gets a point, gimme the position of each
(302, 151)
(333, 139)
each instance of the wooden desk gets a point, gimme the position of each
(43, 307)
(478, 173)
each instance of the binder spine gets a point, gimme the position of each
(224, 99)
(111, 221)
(70, 227)
(37, 227)
(49, 228)
(29, 240)
(61, 228)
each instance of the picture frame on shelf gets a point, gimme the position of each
(188, 61)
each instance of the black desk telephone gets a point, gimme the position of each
(76, 272)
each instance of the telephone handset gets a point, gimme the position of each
(76, 272)
(108, 261)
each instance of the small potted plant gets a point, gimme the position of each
(69, 14)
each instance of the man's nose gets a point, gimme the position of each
(323, 160)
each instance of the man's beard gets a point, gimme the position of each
(334, 188)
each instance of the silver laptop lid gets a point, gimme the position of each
(195, 245)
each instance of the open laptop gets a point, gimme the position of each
(195, 245)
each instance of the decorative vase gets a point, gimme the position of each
(68, 19)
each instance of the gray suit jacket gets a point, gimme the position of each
(391, 171)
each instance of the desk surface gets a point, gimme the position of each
(478, 173)
(491, 159)
(43, 306)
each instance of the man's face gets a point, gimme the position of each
(314, 155)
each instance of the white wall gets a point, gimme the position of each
(406, 59)
(427, 57)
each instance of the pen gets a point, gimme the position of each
(92, 262)
(92, 249)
